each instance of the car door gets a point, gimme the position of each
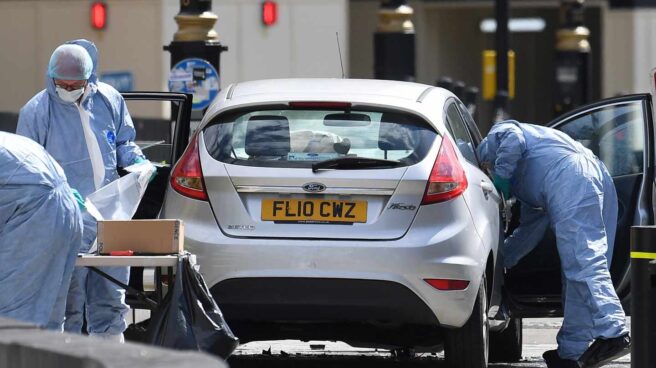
(620, 132)
(483, 199)
(492, 211)
(162, 121)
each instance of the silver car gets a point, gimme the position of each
(350, 210)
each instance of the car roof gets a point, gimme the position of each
(324, 86)
(421, 99)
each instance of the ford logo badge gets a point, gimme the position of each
(314, 187)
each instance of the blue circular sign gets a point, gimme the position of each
(198, 77)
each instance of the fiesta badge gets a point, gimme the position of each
(314, 187)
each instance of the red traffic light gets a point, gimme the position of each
(269, 13)
(98, 15)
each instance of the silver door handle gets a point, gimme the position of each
(487, 187)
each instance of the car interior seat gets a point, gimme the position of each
(393, 135)
(267, 136)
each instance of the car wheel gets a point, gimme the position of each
(468, 346)
(506, 346)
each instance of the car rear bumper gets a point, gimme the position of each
(321, 300)
(365, 310)
(312, 280)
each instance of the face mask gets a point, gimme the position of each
(69, 96)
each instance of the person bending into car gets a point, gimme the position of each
(85, 125)
(564, 185)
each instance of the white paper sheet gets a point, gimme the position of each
(120, 199)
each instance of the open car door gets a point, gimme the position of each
(620, 132)
(162, 121)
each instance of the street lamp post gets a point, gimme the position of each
(195, 49)
(502, 45)
(394, 42)
(573, 63)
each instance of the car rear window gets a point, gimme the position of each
(301, 137)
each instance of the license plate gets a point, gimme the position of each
(314, 211)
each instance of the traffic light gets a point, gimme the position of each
(269, 13)
(98, 15)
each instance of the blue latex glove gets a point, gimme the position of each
(502, 185)
(79, 199)
(139, 160)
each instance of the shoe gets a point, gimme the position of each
(602, 351)
(554, 360)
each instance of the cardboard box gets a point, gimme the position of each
(141, 236)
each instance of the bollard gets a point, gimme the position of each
(459, 89)
(500, 106)
(471, 96)
(471, 101)
(445, 82)
(643, 296)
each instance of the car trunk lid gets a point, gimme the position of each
(340, 204)
(321, 170)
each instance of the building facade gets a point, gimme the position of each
(449, 42)
(303, 43)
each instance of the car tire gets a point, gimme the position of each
(468, 346)
(506, 346)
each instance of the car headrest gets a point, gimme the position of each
(393, 134)
(267, 135)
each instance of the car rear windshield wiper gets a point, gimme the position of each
(351, 163)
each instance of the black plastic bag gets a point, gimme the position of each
(189, 318)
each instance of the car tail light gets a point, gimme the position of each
(447, 179)
(187, 176)
(446, 284)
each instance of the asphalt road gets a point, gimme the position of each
(539, 335)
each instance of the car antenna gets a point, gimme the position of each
(339, 50)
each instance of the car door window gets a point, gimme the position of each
(458, 129)
(471, 124)
(154, 128)
(162, 124)
(614, 133)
